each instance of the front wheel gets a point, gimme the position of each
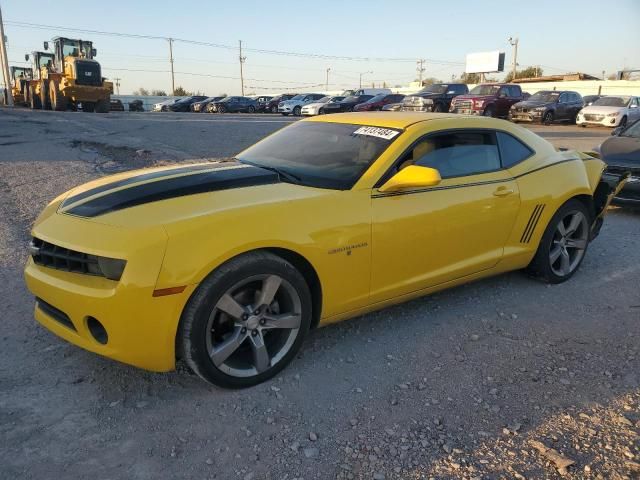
(251, 109)
(246, 321)
(58, 100)
(563, 245)
(488, 112)
(297, 111)
(34, 99)
(547, 119)
(274, 109)
(438, 108)
(103, 106)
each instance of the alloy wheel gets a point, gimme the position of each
(569, 243)
(253, 325)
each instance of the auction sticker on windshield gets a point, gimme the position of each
(385, 133)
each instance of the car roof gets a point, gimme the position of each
(381, 119)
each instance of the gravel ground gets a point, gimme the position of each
(503, 378)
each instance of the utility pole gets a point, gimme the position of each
(242, 59)
(5, 64)
(117, 82)
(363, 73)
(421, 69)
(327, 80)
(514, 44)
(173, 78)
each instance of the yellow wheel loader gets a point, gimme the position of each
(20, 78)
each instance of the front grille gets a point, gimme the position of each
(521, 109)
(53, 256)
(58, 315)
(590, 117)
(463, 105)
(88, 73)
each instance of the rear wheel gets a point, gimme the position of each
(563, 245)
(34, 100)
(246, 321)
(58, 100)
(102, 106)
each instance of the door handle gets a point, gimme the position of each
(502, 192)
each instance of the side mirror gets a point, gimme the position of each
(412, 176)
(26, 57)
(94, 52)
(451, 92)
(46, 45)
(502, 95)
(633, 106)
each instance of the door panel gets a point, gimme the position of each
(439, 234)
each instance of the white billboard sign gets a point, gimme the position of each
(485, 62)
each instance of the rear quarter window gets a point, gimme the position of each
(512, 150)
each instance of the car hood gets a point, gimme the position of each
(315, 104)
(292, 102)
(601, 109)
(474, 97)
(162, 196)
(533, 104)
(621, 152)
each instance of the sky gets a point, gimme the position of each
(382, 39)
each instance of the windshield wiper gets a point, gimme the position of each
(283, 174)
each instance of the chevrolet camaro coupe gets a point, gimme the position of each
(228, 265)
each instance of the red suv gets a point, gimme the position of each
(488, 99)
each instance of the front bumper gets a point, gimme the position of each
(307, 112)
(630, 193)
(529, 117)
(285, 109)
(465, 111)
(416, 108)
(140, 328)
(595, 120)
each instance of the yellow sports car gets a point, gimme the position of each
(228, 265)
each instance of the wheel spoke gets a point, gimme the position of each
(577, 243)
(555, 254)
(220, 353)
(270, 287)
(261, 358)
(561, 228)
(565, 262)
(286, 320)
(575, 222)
(230, 306)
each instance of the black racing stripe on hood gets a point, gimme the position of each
(175, 187)
(144, 177)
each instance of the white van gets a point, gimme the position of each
(371, 91)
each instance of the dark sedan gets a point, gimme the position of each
(272, 105)
(548, 106)
(201, 106)
(184, 104)
(234, 105)
(621, 153)
(346, 105)
(376, 103)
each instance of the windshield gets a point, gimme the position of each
(485, 90)
(548, 97)
(611, 102)
(22, 72)
(72, 48)
(435, 88)
(299, 97)
(377, 98)
(321, 154)
(632, 131)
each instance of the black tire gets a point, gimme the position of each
(58, 100)
(222, 109)
(547, 118)
(438, 108)
(35, 99)
(274, 109)
(285, 114)
(297, 111)
(45, 104)
(542, 266)
(489, 111)
(251, 109)
(88, 107)
(103, 106)
(195, 330)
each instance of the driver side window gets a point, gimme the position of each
(455, 154)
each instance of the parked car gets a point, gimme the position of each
(589, 99)
(315, 108)
(548, 106)
(378, 101)
(263, 101)
(162, 106)
(434, 98)
(610, 111)
(136, 106)
(621, 153)
(272, 105)
(201, 106)
(488, 99)
(184, 104)
(392, 107)
(115, 105)
(346, 105)
(234, 105)
(295, 104)
(232, 263)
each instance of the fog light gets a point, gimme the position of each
(613, 121)
(97, 330)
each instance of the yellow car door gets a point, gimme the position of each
(428, 236)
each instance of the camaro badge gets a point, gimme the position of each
(347, 248)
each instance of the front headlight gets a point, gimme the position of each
(478, 103)
(614, 114)
(427, 101)
(111, 268)
(540, 109)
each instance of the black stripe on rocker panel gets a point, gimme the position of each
(175, 187)
(144, 177)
